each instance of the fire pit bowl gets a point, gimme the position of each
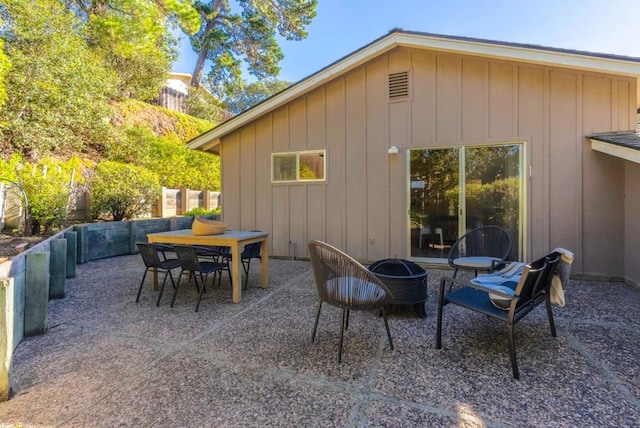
(406, 280)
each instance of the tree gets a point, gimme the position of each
(227, 38)
(123, 191)
(134, 38)
(5, 65)
(240, 97)
(58, 90)
(202, 104)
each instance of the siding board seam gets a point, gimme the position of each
(579, 143)
(515, 97)
(486, 134)
(460, 100)
(544, 168)
(365, 245)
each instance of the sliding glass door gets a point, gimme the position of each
(456, 189)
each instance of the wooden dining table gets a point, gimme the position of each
(235, 239)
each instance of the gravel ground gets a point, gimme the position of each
(109, 361)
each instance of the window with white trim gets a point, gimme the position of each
(292, 167)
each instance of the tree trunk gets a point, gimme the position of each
(196, 77)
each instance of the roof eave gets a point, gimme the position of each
(618, 151)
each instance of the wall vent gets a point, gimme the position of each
(399, 86)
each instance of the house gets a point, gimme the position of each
(175, 91)
(420, 132)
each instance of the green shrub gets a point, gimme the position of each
(181, 167)
(50, 186)
(202, 211)
(123, 191)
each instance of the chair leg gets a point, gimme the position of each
(175, 292)
(229, 272)
(455, 272)
(204, 281)
(315, 325)
(439, 319)
(195, 279)
(164, 281)
(342, 324)
(346, 325)
(246, 273)
(141, 284)
(512, 352)
(386, 325)
(552, 324)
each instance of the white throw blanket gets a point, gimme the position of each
(513, 271)
(561, 278)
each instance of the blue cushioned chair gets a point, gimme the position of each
(532, 289)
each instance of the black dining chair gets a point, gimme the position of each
(249, 252)
(151, 257)
(216, 253)
(192, 266)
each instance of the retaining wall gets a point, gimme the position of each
(30, 279)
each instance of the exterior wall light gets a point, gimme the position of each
(393, 150)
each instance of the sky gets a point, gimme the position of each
(343, 26)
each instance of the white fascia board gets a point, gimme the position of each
(209, 144)
(622, 152)
(521, 54)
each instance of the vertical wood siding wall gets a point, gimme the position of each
(632, 223)
(575, 197)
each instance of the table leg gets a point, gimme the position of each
(264, 255)
(236, 278)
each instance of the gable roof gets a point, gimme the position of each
(534, 54)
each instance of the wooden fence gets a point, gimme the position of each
(175, 202)
(172, 202)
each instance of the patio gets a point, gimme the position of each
(107, 361)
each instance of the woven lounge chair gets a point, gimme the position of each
(343, 282)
